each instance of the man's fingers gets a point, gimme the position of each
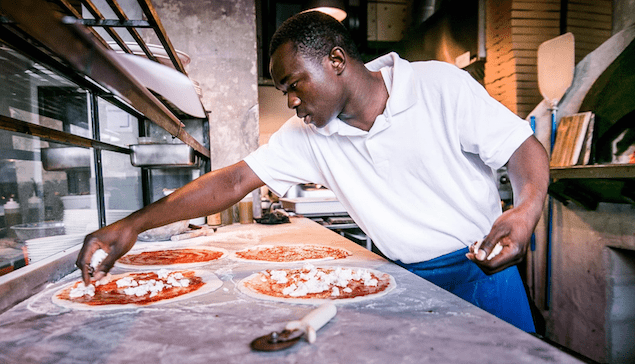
(86, 274)
(494, 238)
(477, 252)
(105, 266)
(486, 247)
(83, 259)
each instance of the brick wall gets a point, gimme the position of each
(515, 29)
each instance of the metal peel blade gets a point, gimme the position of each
(277, 340)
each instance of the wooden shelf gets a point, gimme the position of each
(590, 185)
(594, 171)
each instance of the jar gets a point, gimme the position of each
(36, 209)
(12, 214)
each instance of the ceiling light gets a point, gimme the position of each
(334, 8)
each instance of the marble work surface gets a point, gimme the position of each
(415, 323)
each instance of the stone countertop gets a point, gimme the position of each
(415, 323)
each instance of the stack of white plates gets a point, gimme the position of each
(116, 215)
(77, 221)
(83, 221)
(41, 248)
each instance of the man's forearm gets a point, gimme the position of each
(211, 193)
(528, 170)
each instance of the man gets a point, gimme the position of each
(408, 148)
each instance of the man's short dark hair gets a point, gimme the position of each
(314, 34)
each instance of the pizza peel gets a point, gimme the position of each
(556, 66)
(295, 330)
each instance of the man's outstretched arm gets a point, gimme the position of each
(209, 194)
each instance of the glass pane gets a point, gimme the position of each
(36, 178)
(194, 127)
(31, 92)
(122, 186)
(116, 126)
(164, 181)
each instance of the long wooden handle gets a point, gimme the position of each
(312, 322)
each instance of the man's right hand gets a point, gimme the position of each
(115, 239)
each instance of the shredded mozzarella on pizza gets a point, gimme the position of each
(82, 290)
(335, 292)
(279, 276)
(312, 280)
(152, 287)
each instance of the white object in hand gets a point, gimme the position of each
(312, 322)
(497, 249)
(97, 258)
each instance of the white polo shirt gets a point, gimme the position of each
(420, 183)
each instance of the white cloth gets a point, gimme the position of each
(420, 183)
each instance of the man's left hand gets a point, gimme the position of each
(528, 169)
(513, 232)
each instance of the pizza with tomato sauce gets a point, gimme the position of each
(136, 289)
(290, 253)
(171, 258)
(315, 285)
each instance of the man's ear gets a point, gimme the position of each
(337, 59)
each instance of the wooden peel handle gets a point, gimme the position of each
(312, 322)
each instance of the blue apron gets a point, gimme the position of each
(502, 294)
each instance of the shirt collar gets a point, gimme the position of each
(401, 92)
(337, 126)
(402, 88)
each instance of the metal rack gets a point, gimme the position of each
(55, 33)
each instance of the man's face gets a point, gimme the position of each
(312, 88)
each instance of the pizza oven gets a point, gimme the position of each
(611, 100)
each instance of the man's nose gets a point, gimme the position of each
(292, 101)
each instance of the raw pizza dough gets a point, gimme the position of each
(315, 285)
(160, 257)
(290, 253)
(199, 283)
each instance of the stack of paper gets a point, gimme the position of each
(573, 140)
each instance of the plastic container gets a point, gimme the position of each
(12, 214)
(36, 209)
(227, 216)
(245, 210)
(214, 220)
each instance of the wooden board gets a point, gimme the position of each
(570, 137)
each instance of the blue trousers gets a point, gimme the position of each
(502, 294)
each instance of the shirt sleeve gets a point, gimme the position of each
(287, 159)
(486, 127)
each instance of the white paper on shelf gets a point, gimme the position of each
(174, 86)
(312, 205)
